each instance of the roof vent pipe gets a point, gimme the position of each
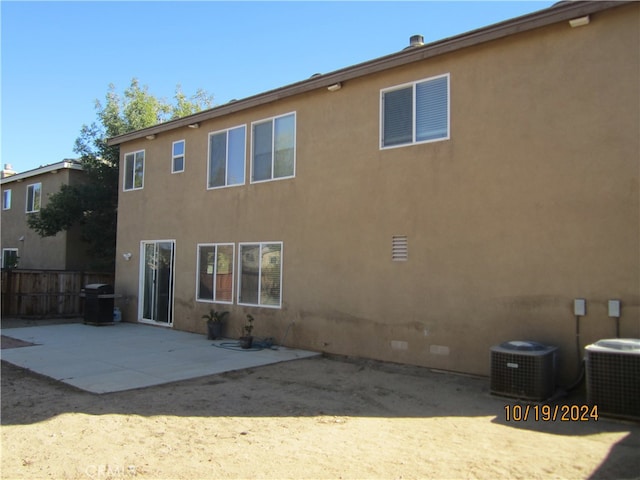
(416, 41)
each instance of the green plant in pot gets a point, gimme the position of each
(214, 323)
(247, 339)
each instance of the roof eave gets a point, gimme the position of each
(54, 167)
(555, 14)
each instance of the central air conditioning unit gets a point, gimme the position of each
(613, 376)
(524, 370)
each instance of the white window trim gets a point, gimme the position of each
(6, 195)
(174, 156)
(244, 163)
(273, 132)
(8, 250)
(33, 200)
(413, 84)
(239, 270)
(214, 272)
(124, 171)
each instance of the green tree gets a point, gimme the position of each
(93, 204)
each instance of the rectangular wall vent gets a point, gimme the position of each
(399, 248)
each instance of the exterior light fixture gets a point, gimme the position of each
(194, 125)
(335, 87)
(150, 137)
(579, 22)
(127, 256)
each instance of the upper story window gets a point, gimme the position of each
(415, 113)
(274, 148)
(227, 152)
(6, 199)
(134, 170)
(34, 193)
(177, 157)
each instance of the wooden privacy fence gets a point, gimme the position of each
(46, 292)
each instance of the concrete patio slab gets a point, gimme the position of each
(125, 356)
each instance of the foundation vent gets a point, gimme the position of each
(399, 248)
(613, 377)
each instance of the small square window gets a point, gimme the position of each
(10, 257)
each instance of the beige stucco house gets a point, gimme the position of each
(23, 194)
(417, 208)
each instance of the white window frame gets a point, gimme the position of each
(226, 131)
(414, 106)
(239, 274)
(5, 250)
(174, 157)
(6, 199)
(133, 172)
(215, 268)
(31, 195)
(295, 139)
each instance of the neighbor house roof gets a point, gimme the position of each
(53, 167)
(561, 11)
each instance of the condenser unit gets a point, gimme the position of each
(524, 370)
(613, 376)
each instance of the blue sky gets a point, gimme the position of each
(58, 58)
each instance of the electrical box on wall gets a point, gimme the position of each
(614, 308)
(579, 307)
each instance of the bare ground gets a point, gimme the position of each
(323, 417)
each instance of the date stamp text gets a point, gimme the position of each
(551, 413)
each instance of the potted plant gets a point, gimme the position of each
(247, 339)
(214, 323)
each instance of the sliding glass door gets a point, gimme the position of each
(156, 282)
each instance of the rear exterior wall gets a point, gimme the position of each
(532, 202)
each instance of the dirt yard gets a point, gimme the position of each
(316, 418)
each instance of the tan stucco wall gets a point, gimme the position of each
(532, 202)
(65, 251)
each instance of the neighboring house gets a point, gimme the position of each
(23, 194)
(417, 208)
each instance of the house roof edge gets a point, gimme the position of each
(562, 11)
(53, 167)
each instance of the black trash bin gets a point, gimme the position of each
(98, 304)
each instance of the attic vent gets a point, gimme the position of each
(416, 41)
(399, 248)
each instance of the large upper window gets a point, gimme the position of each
(274, 148)
(177, 157)
(227, 151)
(260, 281)
(215, 272)
(34, 193)
(134, 170)
(415, 113)
(6, 199)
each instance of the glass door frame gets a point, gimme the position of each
(142, 285)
